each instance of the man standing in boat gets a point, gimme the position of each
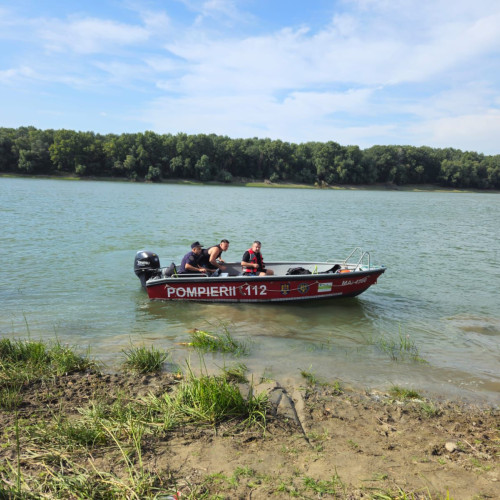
(253, 262)
(192, 261)
(212, 255)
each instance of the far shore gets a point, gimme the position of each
(241, 182)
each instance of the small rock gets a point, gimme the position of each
(385, 429)
(451, 447)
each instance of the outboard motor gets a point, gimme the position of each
(146, 265)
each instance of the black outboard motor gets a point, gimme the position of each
(146, 265)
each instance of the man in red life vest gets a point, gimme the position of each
(253, 262)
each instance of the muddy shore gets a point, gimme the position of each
(320, 441)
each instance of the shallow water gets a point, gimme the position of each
(68, 252)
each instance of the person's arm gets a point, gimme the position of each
(260, 263)
(249, 264)
(245, 262)
(213, 253)
(190, 266)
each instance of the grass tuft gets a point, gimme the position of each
(402, 394)
(312, 380)
(400, 349)
(10, 397)
(430, 410)
(26, 361)
(209, 400)
(235, 373)
(217, 342)
(324, 487)
(310, 377)
(144, 360)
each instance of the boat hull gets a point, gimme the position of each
(263, 289)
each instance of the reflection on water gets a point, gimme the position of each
(302, 321)
(71, 250)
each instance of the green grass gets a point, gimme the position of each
(23, 361)
(312, 380)
(400, 349)
(209, 400)
(10, 397)
(222, 342)
(58, 452)
(402, 394)
(323, 487)
(235, 373)
(309, 376)
(430, 410)
(144, 360)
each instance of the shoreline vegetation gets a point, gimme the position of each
(206, 158)
(161, 431)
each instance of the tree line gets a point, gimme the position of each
(148, 156)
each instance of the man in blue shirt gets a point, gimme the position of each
(191, 262)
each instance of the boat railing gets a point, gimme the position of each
(363, 260)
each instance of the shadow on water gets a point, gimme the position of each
(259, 317)
(311, 320)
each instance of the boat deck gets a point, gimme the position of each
(234, 269)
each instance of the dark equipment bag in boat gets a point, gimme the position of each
(298, 270)
(334, 269)
(170, 271)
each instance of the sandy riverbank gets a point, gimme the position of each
(320, 442)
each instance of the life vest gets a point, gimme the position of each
(254, 260)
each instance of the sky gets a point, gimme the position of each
(357, 72)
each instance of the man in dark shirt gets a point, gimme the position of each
(212, 256)
(191, 262)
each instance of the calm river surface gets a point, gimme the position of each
(67, 272)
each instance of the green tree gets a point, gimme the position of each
(153, 175)
(65, 151)
(129, 166)
(8, 157)
(203, 169)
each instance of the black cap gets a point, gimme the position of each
(195, 244)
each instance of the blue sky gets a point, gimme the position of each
(364, 72)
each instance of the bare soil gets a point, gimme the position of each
(319, 443)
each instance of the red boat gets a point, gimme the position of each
(291, 280)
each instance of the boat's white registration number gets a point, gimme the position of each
(259, 290)
(221, 291)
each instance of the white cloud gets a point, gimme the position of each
(341, 53)
(12, 75)
(301, 117)
(297, 84)
(222, 11)
(90, 35)
(473, 132)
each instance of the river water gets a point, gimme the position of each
(68, 250)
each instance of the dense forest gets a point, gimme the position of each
(154, 157)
